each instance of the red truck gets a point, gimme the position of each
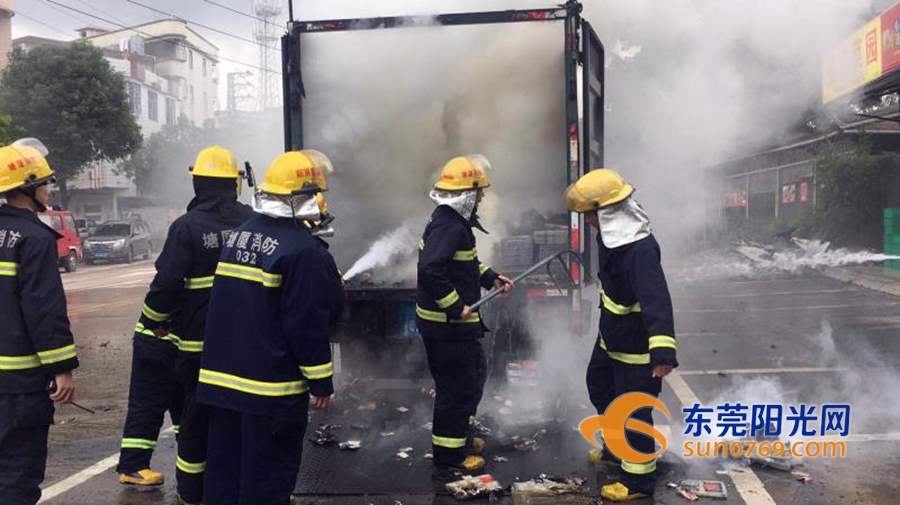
(69, 245)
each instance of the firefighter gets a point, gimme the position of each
(267, 353)
(175, 307)
(37, 351)
(636, 344)
(450, 278)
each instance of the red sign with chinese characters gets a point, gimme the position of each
(890, 39)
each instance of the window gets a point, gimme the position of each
(192, 98)
(204, 67)
(152, 106)
(190, 59)
(134, 95)
(57, 222)
(205, 104)
(70, 222)
(93, 211)
(170, 111)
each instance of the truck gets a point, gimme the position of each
(69, 244)
(383, 316)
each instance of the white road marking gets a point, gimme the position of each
(748, 485)
(85, 475)
(736, 371)
(783, 309)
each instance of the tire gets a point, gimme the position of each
(71, 262)
(129, 257)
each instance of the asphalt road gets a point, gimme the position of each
(778, 339)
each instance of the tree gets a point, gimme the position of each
(159, 168)
(9, 132)
(72, 101)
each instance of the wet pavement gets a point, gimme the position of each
(809, 339)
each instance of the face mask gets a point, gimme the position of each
(463, 202)
(623, 224)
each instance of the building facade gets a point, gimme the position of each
(6, 14)
(170, 71)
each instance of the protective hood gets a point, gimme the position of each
(300, 207)
(623, 224)
(463, 202)
(211, 193)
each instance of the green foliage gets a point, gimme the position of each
(160, 167)
(9, 132)
(853, 190)
(73, 102)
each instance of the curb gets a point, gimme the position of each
(873, 282)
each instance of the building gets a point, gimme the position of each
(171, 71)
(6, 14)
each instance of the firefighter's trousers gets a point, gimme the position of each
(253, 459)
(24, 425)
(152, 392)
(607, 379)
(459, 371)
(190, 465)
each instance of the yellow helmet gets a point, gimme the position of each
(23, 166)
(297, 172)
(216, 161)
(464, 172)
(597, 189)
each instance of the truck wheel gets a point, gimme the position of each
(129, 256)
(71, 263)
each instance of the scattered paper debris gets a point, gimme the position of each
(803, 477)
(473, 487)
(324, 435)
(387, 434)
(402, 410)
(500, 459)
(705, 488)
(350, 445)
(428, 426)
(428, 457)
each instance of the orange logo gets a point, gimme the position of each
(617, 419)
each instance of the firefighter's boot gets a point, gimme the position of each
(146, 477)
(476, 445)
(618, 492)
(180, 501)
(472, 463)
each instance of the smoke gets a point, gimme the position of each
(385, 251)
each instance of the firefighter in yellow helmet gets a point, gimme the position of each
(37, 351)
(276, 293)
(450, 279)
(168, 339)
(636, 346)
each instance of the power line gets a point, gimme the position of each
(238, 37)
(217, 4)
(64, 13)
(38, 21)
(92, 6)
(209, 55)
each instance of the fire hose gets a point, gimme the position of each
(546, 262)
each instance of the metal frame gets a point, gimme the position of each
(575, 29)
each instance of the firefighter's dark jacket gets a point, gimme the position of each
(450, 276)
(269, 316)
(179, 293)
(636, 321)
(36, 341)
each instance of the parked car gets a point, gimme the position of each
(118, 241)
(86, 227)
(69, 245)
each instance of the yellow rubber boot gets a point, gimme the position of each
(473, 463)
(618, 492)
(477, 445)
(146, 477)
